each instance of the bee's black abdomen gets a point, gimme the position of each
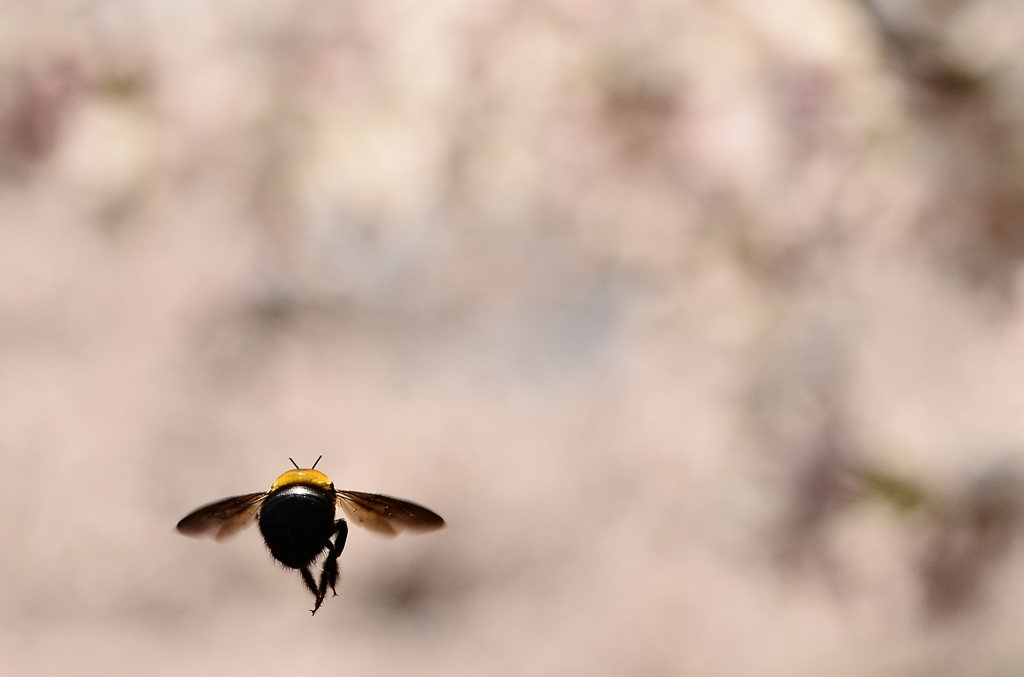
(297, 523)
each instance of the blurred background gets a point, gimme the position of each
(699, 321)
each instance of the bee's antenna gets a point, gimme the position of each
(317, 460)
(294, 463)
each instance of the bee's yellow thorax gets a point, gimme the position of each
(305, 476)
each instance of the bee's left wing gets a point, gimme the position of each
(386, 515)
(224, 518)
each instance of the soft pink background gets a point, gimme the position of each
(622, 289)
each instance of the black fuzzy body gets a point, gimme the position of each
(297, 523)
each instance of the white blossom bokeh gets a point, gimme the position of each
(699, 322)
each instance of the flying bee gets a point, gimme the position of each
(296, 518)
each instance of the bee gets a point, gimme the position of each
(296, 518)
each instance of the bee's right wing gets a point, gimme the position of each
(224, 518)
(386, 515)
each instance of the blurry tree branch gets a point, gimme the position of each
(976, 210)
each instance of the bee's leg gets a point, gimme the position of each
(307, 578)
(329, 574)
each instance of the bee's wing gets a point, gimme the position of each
(224, 518)
(385, 514)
